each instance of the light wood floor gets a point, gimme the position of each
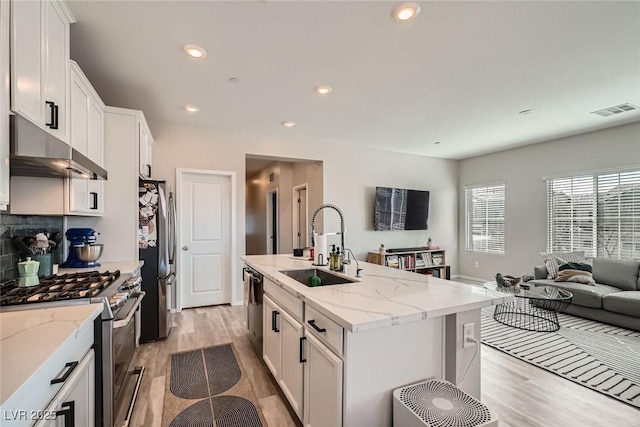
(522, 394)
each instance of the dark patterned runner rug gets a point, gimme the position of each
(208, 388)
(602, 357)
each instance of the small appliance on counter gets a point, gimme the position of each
(28, 272)
(83, 249)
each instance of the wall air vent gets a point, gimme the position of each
(612, 111)
(272, 177)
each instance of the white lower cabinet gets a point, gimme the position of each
(282, 348)
(292, 362)
(272, 344)
(74, 404)
(322, 386)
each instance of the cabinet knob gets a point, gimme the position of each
(185, 248)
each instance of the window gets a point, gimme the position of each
(597, 213)
(484, 212)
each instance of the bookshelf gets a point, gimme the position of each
(417, 260)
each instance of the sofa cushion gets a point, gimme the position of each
(584, 295)
(627, 302)
(620, 273)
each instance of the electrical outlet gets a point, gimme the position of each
(468, 333)
(476, 264)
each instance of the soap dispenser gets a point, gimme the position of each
(339, 259)
(332, 258)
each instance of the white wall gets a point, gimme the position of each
(522, 170)
(350, 178)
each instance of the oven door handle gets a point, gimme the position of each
(125, 322)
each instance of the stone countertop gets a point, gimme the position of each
(125, 267)
(383, 297)
(29, 337)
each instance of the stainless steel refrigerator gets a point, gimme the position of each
(157, 248)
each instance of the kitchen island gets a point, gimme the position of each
(339, 351)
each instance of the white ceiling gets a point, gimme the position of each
(459, 73)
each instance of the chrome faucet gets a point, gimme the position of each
(313, 225)
(348, 261)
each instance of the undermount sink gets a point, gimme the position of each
(326, 278)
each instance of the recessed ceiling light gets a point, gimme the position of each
(524, 112)
(192, 108)
(195, 51)
(405, 12)
(234, 80)
(437, 142)
(288, 123)
(323, 90)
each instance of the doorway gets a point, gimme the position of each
(272, 222)
(206, 218)
(300, 216)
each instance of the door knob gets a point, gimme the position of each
(185, 248)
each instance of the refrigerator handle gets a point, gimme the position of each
(172, 229)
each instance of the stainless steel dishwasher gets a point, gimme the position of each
(253, 287)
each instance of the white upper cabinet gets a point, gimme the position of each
(85, 197)
(39, 55)
(144, 148)
(4, 104)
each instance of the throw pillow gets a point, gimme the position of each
(549, 259)
(585, 280)
(586, 265)
(579, 276)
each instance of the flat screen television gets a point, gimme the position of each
(400, 209)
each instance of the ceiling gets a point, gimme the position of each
(458, 74)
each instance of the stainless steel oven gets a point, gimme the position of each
(126, 377)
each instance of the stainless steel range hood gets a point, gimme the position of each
(36, 153)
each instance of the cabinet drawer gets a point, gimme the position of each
(38, 391)
(288, 301)
(332, 333)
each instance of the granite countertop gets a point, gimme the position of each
(29, 337)
(383, 297)
(125, 267)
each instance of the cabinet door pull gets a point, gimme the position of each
(71, 366)
(149, 171)
(302, 340)
(69, 413)
(314, 326)
(94, 200)
(55, 117)
(52, 107)
(274, 321)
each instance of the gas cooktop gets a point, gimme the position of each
(62, 287)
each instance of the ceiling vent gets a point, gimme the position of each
(612, 111)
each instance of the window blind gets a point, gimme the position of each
(485, 219)
(596, 213)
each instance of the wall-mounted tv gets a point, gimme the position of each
(400, 209)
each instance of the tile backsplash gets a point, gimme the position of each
(21, 226)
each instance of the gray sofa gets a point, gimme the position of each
(615, 299)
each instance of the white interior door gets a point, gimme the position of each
(205, 238)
